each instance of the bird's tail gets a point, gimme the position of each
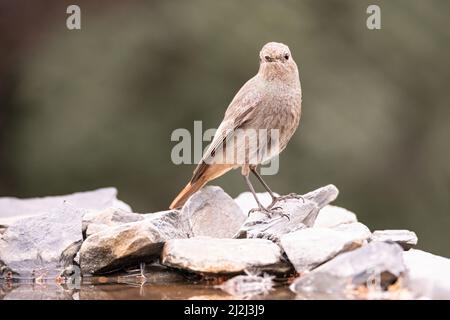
(204, 174)
(189, 190)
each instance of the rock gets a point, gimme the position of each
(130, 243)
(301, 212)
(377, 262)
(76, 259)
(67, 257)
(247, 286)
(323, 195)
(13, 209)
(246, 201)
(259, 225)
(332, 216)
(6, 273)
(93, 228)
(309, 248)
(359, 232)
(428, 274)
(3, 229)
(221, 256)
(96, 221)
(407, 239)
(212, 212)
(32, 247)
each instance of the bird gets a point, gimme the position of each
(269, 102)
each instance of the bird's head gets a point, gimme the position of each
(276, 61)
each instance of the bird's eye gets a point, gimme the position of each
(267, 58)
(286, 56)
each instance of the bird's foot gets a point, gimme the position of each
(270, 211)
(285, 197)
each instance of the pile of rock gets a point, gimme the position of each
(323, 246)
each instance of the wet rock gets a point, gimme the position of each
(309, 248)
(377, 262)
(247, 286)
(67, 257)
(246, 201)
(6, 272)
(13, 209)
(211, 212)
(428, 274)
(221, 256)
(70, 272)
(96, 221)
(32, 247)
(130, 243)
(407, 239)
(302, 213)
(332, 216)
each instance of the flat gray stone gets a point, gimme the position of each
(221, 256)
(130, 243)
(311, 247)
(212, 212)
(356, 230)
(32, 247)
(13, 209)
(407, 239)
(379, 262)
(96, 221)
(428, 274)
(332, 216)
(302, 213)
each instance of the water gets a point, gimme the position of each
(102, 288)
(153, 283)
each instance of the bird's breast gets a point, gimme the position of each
(281, 109)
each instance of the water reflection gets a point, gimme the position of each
(110, 289)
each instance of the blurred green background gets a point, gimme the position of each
(96, 107)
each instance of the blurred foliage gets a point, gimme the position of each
(96, 107)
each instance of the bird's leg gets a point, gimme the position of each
(258, 176)
(275, 199)
(268, 211)
(252, 190)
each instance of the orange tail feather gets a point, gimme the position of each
(208, 174)
(188, 191)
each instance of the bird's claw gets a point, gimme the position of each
(270, 211)
(285, 197)
(295, 196)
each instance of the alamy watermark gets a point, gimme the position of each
(373, 21)
(73, 21)
(235, 147)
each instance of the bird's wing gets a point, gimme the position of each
(238, 113)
